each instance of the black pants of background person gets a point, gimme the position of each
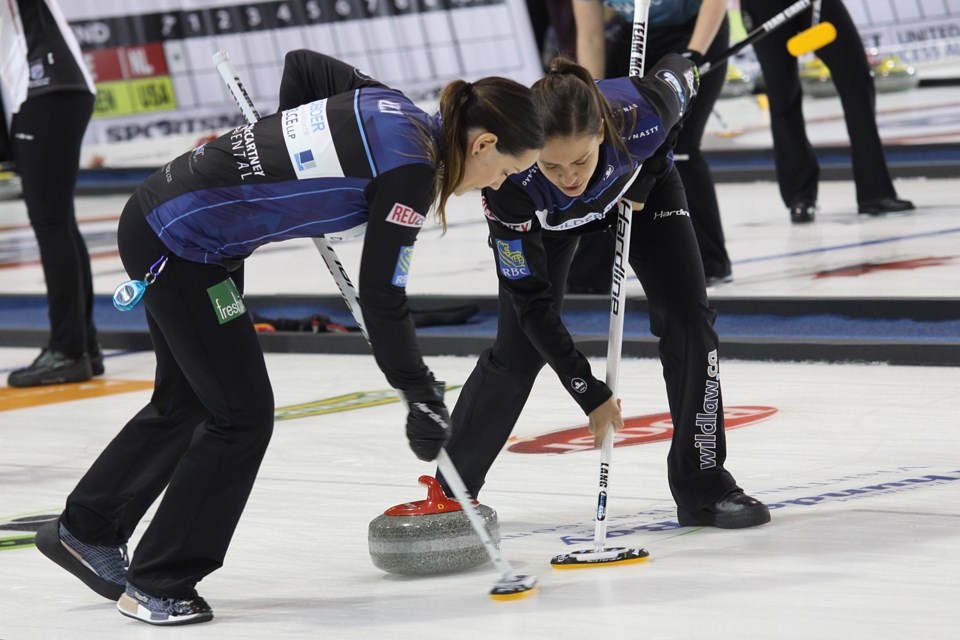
(797, 168)
(6, 152)
(553, 18)
(597, 249)
(45, 140)
(201, 437)
(664, 255)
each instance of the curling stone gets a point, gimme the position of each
(429, 537)
(737, 83)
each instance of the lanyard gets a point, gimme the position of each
(128, 294)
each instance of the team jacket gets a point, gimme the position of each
(528, 204)
(355, 159)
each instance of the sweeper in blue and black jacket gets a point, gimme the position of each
(344, 152)
(596, 135)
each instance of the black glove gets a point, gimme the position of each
(694, 56)
(428, 421)
(670, 87)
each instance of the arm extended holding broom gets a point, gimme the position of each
(811, 39)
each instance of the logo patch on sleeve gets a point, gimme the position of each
(520, 227)
(513, 264)
(227, 301)
(402, 271)
(405, 216)
(671, 79)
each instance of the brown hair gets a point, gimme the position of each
(571, 104)
(501, 106)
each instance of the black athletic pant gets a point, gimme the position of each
(797, 167)
(45, 139)
(6, 151)
(597, 249)
(201, 437)
(693, 167)
(664, 255)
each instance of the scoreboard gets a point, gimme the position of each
(152, 65)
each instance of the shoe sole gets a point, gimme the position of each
(46, 382)
(53, 378)
(879, 212)
(49, 543)
(131, 608)
(715, 282)
(742, 520)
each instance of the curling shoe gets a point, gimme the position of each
(166, 612)
(52, 367)
(803, 212)
(725, 277)
(103, 569)
(96, 361)
(884, 205)
(735, 510)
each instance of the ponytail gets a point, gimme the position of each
(453, 136)
(503, 107)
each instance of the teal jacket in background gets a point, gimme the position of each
(663, 13)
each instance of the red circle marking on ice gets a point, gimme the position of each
(636, 430)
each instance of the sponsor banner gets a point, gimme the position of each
(637, 430)
(922, 33)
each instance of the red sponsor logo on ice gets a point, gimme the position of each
(405, 216)
(636, 430)
(864, 268)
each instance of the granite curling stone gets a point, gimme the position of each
(429, 537)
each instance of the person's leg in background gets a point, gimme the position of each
(798, 171)
(695, 172)
(692, 166)
(847, 61)
(9, 180)
(563, 27)
(48, 159)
